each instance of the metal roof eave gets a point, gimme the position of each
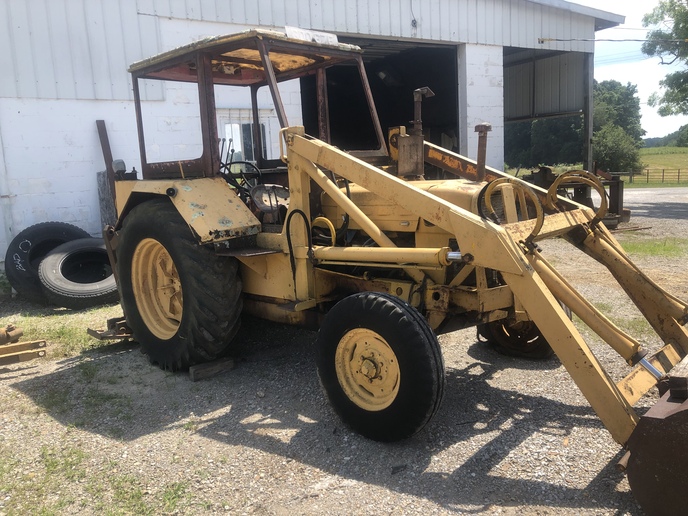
(603, 19)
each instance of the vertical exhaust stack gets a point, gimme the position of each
(411, 155)
(482, 130)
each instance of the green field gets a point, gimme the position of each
(664, 157)
(662, 166)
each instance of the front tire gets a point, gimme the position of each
(182, 301)
(380, 365)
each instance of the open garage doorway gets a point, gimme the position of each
(394, 70)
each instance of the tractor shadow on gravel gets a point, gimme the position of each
(665, 210)
(487, 447)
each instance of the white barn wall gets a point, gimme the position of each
(64, 66)
(52, 154)
(492, 22)
(5, 203)
(73, 49)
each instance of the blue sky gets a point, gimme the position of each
(624, 62)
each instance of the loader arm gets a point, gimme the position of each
(504, 249)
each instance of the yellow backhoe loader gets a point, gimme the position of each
(381, 246)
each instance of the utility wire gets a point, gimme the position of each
(546, 40)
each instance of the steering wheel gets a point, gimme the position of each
(523, 194)
(235, 173)
(238, 170)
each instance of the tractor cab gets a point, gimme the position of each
(255, 70)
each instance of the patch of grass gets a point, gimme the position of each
(99, 402)
(68, 470)
(190, 426)
(5, 287)
(88, 370)
(128, 497)
(65, 463)
(64, 330)
(56, 399)
(637, 326)
(173, 495)
(603, 307)
(669, 247)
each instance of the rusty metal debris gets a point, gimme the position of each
(13, 351)
(116, 329)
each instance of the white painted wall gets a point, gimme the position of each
(52, 154)
(481, 99)
(6, 198)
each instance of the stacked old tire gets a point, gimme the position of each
(60, 264)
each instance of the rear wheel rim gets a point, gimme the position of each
(157, 288)
(367, 369)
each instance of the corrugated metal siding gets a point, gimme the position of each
(80, 49)
(74, 49)
(516, 23)
(559, 84)
(518, 87)
(544, 87)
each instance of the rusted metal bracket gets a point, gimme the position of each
(116, 329)
(12, 351)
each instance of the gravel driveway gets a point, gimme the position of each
(107, 430)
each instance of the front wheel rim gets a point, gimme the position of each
(157, 288)
(367, 369)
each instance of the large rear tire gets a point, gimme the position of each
(380, 365)
(182, 301)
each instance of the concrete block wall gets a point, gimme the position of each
(51, 156)
(481, 99)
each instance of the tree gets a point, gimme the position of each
(668, 41)
(546, 141)
(614, 103)
(557, 140)
(550, 141)
(517, 145)
(614, 150)
(617, 133)
(682, 136)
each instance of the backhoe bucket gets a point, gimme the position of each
(658, 463)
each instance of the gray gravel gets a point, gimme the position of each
(511, 436)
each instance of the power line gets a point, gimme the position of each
(547, 40)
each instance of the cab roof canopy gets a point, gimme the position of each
(237, 59)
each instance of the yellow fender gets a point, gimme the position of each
(208, 204)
